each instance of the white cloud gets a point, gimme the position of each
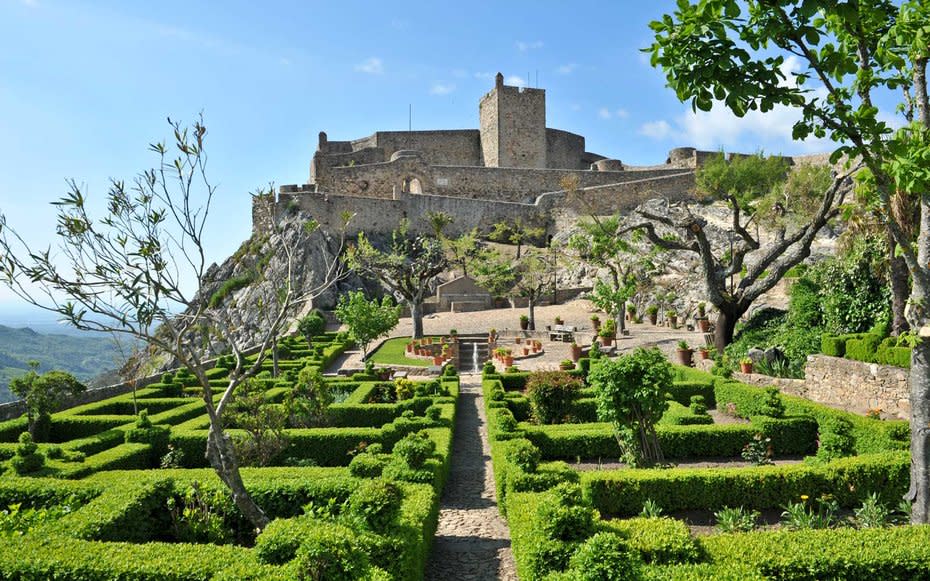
(515, 81)
(656, 129)
(606, 113)
(29, 3)
(459, 73)
(441, 88)
(524, 46)
(285, 61)
(484, 75)
(566, 69)
(371, 66)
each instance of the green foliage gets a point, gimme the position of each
(745, 178)
(606, 557)
(567, 523)
(311, 325)
(524, 455)
(27, 459)
(758, 451)
(835, 437)
(230, 286)
(819, 514)
(368, 465)
(367, 320)
(305, 404)
(43, 393)
(736, 520)
(415, 449)
(630, 395)
(331, 553)
(403, 388)
(376, 503)
(263, 423)
(551, 395)
(853, 293)
(772, 405)
(198, 516)
(873, 513)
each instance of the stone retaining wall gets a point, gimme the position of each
(857, 385)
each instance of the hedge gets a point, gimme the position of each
(11, 429)
(849, 480)
(898, 553)
(65, 428)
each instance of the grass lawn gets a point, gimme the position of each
(394, 352)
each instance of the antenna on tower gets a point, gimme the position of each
(410, 117)
(537, 78)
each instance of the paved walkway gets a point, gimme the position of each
(472, 541)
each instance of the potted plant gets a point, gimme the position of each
(745, 365)
(653, 312)
(685, 353)
(702, 309)
(536, 345)
(576, 351)
(526, 350)
(559, 321)
(453, 335)
(672, 317)
(437, 360)
(631, 313)
(410, 346)
(566, 365)
(608, 332)
(492, 335)
(508, 358)
(518, 340)
(704, 352)
(524, 322)
(596, 323)
(704, 324)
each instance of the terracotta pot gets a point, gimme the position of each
(654, 318)
(704, 353)
(608, 341)
(704, 325)
(576, 353)
(745, 367)
(518, 340)
(524, 324)
(597, 325)
(437, 360)
(508, 361)
(673, 322)
(409, 347)
(526, 351)
(685, 356)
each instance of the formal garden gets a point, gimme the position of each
(349, 469)
(829, 512)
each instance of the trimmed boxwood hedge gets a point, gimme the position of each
(849, 480)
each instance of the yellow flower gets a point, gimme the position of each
(804, 497)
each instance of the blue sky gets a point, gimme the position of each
(85, 86)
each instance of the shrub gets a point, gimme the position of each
(863, 348)
(433, 413)
(368, 465)
(27, 460)
(606, 557)
(835, 438)
(567, 523)
(736, 520)
(551, 394)
(415, 449)
(331, 553)
(404, 388)
(833, 346)
(376, 503)
(772, 406)
(524, 455)
(505, 420)
(629, 393)
(307, 401)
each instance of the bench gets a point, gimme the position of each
(564, 333)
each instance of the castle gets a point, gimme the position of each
(511, 167)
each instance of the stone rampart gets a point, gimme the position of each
(857, 385)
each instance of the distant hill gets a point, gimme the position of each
(86, 356)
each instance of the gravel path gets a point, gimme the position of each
(472, 540)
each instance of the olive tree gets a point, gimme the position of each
(128, 273)
(367, 320)
(730, 53)
(42, 394)
(407, 268)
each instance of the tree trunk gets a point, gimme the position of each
(726, 325)
(919, 492)
(274, 358)
(531, 305)
(900, 292)
(222, 458)
(416, 315)
(621, 318)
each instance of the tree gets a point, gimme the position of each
(495, 273)
(527, 277)
(754, 188)
(366, 320)
(465, 251)
(630, 394)
(515, 232)
(597, 243)
(128, 273)
(735, 52)
(408, 268)
(311, 325)
(262, 422)
(42, 395)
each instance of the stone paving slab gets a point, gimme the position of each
(472, 540)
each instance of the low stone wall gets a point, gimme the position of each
(858, 386)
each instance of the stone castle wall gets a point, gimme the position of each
(857, 385)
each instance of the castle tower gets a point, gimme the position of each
(512, 122)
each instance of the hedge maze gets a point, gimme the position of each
(354, 497)
(560, 516)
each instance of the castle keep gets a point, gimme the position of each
(512, 166)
